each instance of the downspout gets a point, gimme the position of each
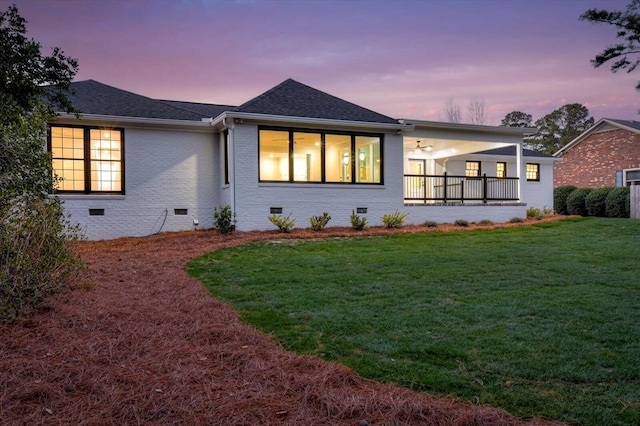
(230, 126)
(519, 170)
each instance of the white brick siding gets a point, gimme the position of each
(164, 170)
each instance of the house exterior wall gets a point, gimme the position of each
(164, 170)
(593, 162)
(253, 199)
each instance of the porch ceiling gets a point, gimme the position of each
(435, 148)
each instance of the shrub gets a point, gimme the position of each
(576, 201)
(431, 224)
(560, 195)
(461, 222)
(596, 202)
(394, 220)
(485, 222)
(618, 203)
(35, 258)
(534, 212)
(358, 222)
(284, 223)
(319, 222)
(224, 220)
(516, 220)
(546, 210)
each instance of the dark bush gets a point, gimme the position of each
(576, 201)
(560, 195)
(596, 201)
(618, 203)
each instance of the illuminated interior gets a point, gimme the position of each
(67, 149)
(105, 160)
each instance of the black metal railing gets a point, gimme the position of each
(448, 188)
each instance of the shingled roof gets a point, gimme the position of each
(92, 97)
(293, 99)
(511, 151)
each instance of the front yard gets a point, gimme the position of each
(542, 320)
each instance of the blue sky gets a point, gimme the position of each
(400, 58)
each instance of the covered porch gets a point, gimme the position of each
(441, 164)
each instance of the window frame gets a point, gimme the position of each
(504, 169)
(87, 158)
(323, 175)
(526, 172)
(467, 169)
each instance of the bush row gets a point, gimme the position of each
(603, 202)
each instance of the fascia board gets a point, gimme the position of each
(144, 121)
(471, 127)
(307, 121)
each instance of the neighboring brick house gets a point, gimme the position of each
(604, 155)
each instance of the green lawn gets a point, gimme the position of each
(541, 320)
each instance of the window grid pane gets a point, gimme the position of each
(67, 150)
(106, 155)
(367, 159)
(307, 160)
(472, 168)
(337, 158)
(533, 172)
(274, 155)
(501, 170)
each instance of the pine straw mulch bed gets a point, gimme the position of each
(148, 345)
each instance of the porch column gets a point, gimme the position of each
(519, 169)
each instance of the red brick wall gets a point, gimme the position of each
(593, 162)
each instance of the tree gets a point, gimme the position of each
(517, 119)
(452, 111)
(34, 258)
(627, 23)
(560, 127)
(477, 111)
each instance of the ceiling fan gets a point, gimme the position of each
(423, 148)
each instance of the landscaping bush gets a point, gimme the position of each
(284, 223)
(319, 222)
(224, 220)
(596, 202)
(618, 202)
(560, 195)
(462, 222)
(534, 212)
(485, 222)
(430, 224)
(576, 201)
(516, 219)
(35, 259)
(358, 222)
(394, 220)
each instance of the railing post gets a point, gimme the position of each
(484, 188)
(445, 187)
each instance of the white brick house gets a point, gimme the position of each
(135, 166)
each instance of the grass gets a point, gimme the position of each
(542, 320)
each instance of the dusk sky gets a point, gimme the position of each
(404, 59)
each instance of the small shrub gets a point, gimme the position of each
(462, 222)
(224, 220)
(546, 210)
(596, 202)
(319, 222)
(618, 203)
(576, 201)
(485, 222)
(358, 222)
(394, 220)
(534, 212)
(516, 220)
(284, 223)
(560, 195)
(431, 224)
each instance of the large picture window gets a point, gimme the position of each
(323, 157)
(87, 160)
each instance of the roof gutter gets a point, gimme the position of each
(223, 118)
(136, 120)
(472, 127)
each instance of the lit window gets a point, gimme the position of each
(87, 160)
(472, 169)
(533, 172)
(293, 156)
(501, 169)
